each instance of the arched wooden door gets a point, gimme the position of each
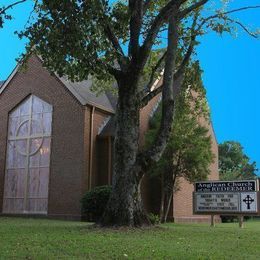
(28, 158)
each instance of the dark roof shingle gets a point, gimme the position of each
(82, 91)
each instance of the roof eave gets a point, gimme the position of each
(3, 87)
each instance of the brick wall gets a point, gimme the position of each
(67, 148)
(151, 187)
(182, 210)
(98, 144)
(74, 126)
(145, 117)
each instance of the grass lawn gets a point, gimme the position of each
(50, 239)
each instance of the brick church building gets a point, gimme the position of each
(56, 143)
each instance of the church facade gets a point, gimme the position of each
(56, 143)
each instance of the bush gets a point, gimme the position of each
(154, 219)
(94, 202)
(228, 218)
(231, 219)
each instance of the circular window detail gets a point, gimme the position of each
(29, 129)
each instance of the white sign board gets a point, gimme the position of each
(225, 202)
(228, 202)
(226, 186)
(226, 197)
(249, 202)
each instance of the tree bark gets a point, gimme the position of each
(125, 206)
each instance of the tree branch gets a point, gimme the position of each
(159, 20)
(116, 45)
(147, 94)
(192, 8)
(116, 73)
(177, 74)
(155, 151)
(136, 16)
(151, 95)
(164, 13)
(31, 13)
(113, 71)
(2, 11)
(146, 99)
(241, 9)
(147, 4)
(112, 37)
(243, 27)
(189, 51)
(152, 76)
(221, 14)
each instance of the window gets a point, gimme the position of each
(28, 157)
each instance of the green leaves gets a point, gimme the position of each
(3, 16)
(188, 152)
(233, 163)
(69, 35)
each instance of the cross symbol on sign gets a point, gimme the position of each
(248, 200)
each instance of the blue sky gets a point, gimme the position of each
(231, 75)
(232, 79)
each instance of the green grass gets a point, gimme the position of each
(49, 239)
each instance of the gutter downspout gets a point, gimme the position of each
(91, 147)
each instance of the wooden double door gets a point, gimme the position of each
(28, 158)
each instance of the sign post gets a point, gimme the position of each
(241, 221)
(227, 198)
(212, 224)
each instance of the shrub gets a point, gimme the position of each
(231, 219)
(228, 218)
(154, 219)
(94, 202)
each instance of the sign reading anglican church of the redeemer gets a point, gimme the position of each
(235, 197)
(226, 186)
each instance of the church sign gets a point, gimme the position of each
(235, 197)
(226, 186)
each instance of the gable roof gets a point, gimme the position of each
(109, 128)
(80, 90)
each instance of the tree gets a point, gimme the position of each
(4, 11)
(188, 152)
(234, 164)
(115, 42)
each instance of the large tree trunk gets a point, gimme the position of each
(125, 206)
